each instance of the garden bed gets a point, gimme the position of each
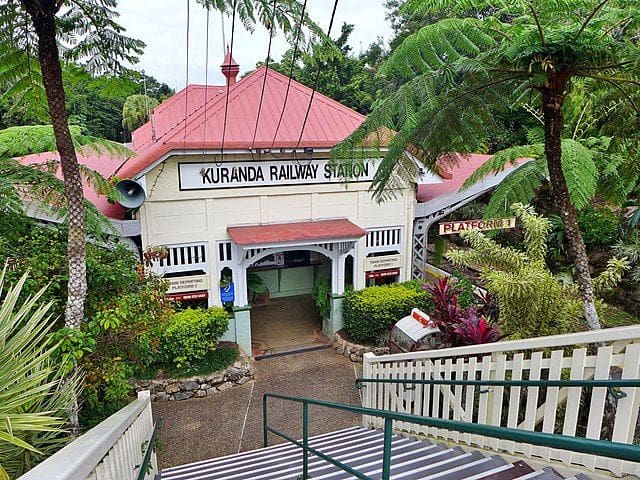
(164, 387)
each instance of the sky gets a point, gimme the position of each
(161, 24)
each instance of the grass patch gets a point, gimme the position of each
(612, 316)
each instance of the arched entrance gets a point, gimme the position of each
(280, 283)
(330, 241)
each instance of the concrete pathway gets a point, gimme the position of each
(231, 421)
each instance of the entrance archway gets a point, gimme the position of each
(280, 285)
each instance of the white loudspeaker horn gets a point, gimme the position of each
(132, 193)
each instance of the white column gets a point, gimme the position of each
(335, 273)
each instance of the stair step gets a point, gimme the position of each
(361, 449)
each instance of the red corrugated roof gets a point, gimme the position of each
(455, 170)
(329, 122)
(104, 163)
(295, 231)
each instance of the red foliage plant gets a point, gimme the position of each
(459, 326)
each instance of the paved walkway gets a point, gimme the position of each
(286, 324)
(202, 428)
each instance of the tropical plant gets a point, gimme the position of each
(33, 395)
(136, 109)
(321, 294)
(494, 55)
(531, 301)
(474, 329)
(88, 29)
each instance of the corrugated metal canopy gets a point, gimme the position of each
(320, 230)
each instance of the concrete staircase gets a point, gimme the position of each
(361, 449)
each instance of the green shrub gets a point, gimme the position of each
(321, 294)
(600, 225)
(214, 361)
(368, 313)
(192, 334)
(465, 289)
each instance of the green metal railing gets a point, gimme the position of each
(603, 448)
(151, 445)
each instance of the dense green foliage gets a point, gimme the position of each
(532, 302)
(192, 334)
(33, 397)
(370, 312)
(321, 294)
(27, 246)
(600, 225)
(94, 101)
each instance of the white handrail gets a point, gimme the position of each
(77, 460)
(580, 338)
(595, 415)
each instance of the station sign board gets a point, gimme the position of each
(190, 283)
(394, 272)
(266, 173)
(448, 228)
(383, 262)
(184, 297)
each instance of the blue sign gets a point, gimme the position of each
(227, 294)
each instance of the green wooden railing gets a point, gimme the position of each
(604, 448)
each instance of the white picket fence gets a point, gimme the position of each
(112, 450)
(544, 409)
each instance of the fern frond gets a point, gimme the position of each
(502, 159)
(580, 171)
(519, 186)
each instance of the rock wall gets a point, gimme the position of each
(353, 351)
(199, 386)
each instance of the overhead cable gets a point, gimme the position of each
(226, 102)
(293, 62)
(266, 71)
(315, 83)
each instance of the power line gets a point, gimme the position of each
(266, 71)
(315, 83)
(226, 102)
(206, 81)
(293, 62)
(186, 88)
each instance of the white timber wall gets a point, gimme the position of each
(170, 216)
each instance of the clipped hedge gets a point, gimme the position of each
(370, 312)
(192, 334)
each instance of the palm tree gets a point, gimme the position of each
(87, 30)
(494, 55)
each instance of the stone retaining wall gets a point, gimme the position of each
(353, 351)
(199, 386)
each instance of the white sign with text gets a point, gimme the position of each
(210, 175)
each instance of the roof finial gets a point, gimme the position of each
(230, 68)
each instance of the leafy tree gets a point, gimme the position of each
(490, 55)
(333, 70)
(134, 111)
(33, 397)
(89, 31)
(532, 302)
